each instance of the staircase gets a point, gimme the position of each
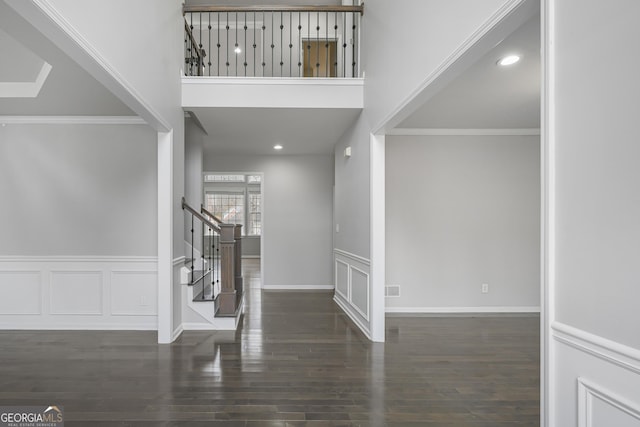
(213, 272)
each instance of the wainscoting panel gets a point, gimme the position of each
(598, 407)
(342, 278)
(134, 293)
(360, 291)
(20, 292)
(598, 380)
(83, 292)
(353, 288)
(76, 292)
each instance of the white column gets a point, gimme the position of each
(377, 242)
(165, 236)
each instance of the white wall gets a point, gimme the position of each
(147, 80)
(594, 232)
(352, 190)
(78, 190)
(78, 227)
(463, 211)
(297, 212)
(396, 62)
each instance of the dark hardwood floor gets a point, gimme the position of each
(295, 361)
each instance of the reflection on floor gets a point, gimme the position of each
(296, 360)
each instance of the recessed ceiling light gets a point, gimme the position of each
(277, 147)
(237, 50)
(509, 60)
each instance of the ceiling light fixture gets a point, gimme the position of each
(237, 50)
(278, 147)
(508, 60)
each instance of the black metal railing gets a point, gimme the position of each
(272, 41)
(205, 269)
(194, 55)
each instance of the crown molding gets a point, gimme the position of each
(463, 132)
(71, 120)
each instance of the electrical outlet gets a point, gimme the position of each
(485, 288)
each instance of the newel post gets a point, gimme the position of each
(238, 260)
(227, 296)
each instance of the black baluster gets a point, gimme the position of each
(281, 43)
(191, 44)
(209, 47)
(200, 59)
(300, 44)
(353, 45)
(237, 45)
(254, 44)
(317, 44)
(244, 54)
(218, 44)
(264, 27)
(335, 36)
(326, 45)
(227, 43)
(212, 266)
(290, 43)
(344, 44)
(308, 58)
(192, 254)
(272, 46)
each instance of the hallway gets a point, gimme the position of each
(295, 361)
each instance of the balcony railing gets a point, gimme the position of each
(272, 41)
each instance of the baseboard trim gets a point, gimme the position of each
(351, 315)
(179, 261)
(610, 351)
(462, 310)
(79, 327)
(298, 288)
(198, 326)
(177, 332)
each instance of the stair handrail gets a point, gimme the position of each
(195, 46)
(212, 216)
(201, 217)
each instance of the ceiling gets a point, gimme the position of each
(257, 130)
(488, 96)
(24, 50)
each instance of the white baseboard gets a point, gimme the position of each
(78, 327)
(298, 288)
(453, 310)
(177, 332)
(346, 307)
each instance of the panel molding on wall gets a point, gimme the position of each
(602, 348)
(597, 381)
(589, 394)
(83, 292)
(346, 266)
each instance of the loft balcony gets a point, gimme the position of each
(272, 57)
